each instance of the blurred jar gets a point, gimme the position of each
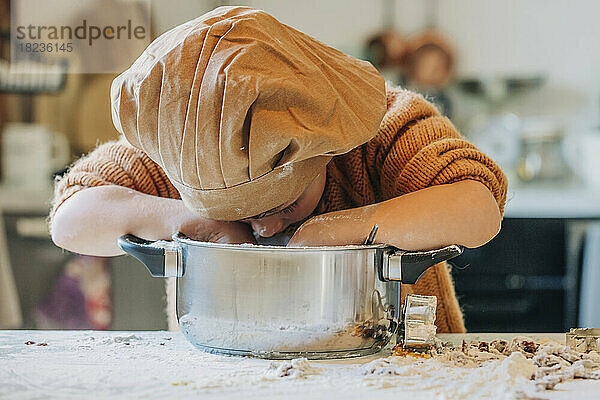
(499, 138)
(542, 158)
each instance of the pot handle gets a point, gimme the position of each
(162, 259)
(409, 266)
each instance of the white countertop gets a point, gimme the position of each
(552, 202)
(162, 365)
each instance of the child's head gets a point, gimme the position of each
(273, 221)
(243, 113)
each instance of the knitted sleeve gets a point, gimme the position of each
(421, 148)
(113, 163)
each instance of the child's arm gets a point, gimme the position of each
(464, 213)
(432, 187)
(118, 189)
(92, 219)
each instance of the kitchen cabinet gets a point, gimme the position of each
(528, 278)
(520, 281)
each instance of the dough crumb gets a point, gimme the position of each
(296, 368)
(547, 363)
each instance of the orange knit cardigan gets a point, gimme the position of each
(415, 147)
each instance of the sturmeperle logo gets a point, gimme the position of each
(91, 36)
(84, 31)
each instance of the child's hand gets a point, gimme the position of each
(217, 231)
(321, 231)
(307, 235)
(232, 232)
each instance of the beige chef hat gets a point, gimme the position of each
(243, 112)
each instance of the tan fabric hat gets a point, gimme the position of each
(243, 112)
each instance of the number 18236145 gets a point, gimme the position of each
(42, 47)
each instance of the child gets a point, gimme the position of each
(234, 123)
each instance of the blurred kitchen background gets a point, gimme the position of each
(521, 79)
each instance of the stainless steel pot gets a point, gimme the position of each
(283, 302)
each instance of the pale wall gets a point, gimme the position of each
(560, 39)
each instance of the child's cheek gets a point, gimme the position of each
(301, 213)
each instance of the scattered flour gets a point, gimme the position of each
(296, 368)
(160, 365)
(518, 369)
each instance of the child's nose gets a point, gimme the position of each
(267, 228)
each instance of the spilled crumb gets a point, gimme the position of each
(182, 383)
(127, 339)
(31, 343)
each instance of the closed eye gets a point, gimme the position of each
(288, 210)
(291, 208)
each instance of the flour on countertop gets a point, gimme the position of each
(159, 365)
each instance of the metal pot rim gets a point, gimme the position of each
(181, 238)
